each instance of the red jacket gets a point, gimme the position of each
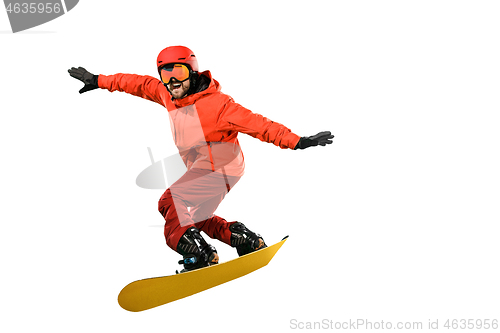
(205, 125)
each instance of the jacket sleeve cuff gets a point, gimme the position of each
(293, 140)
(101, 81)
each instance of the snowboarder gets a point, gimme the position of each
(205, 123)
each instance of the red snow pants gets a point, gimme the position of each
(192, 201)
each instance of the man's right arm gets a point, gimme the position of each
(143, 86)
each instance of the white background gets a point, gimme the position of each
(397, 220)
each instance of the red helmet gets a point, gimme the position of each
(179, 55)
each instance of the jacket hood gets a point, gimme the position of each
(213, 87)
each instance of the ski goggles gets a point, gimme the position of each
(179, 72)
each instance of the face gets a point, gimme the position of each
(178, 89)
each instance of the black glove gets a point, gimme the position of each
(322, 139)
(89, 79)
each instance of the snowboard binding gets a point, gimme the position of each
(244, 240)
(196, 252)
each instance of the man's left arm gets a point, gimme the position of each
(238, 118)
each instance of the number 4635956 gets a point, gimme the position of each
(471, 324)
(25, 8)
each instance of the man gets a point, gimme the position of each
(205, 125)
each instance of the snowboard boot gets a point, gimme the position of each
(196, 251)
(244, 240)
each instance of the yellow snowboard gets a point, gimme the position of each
(149, 293)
